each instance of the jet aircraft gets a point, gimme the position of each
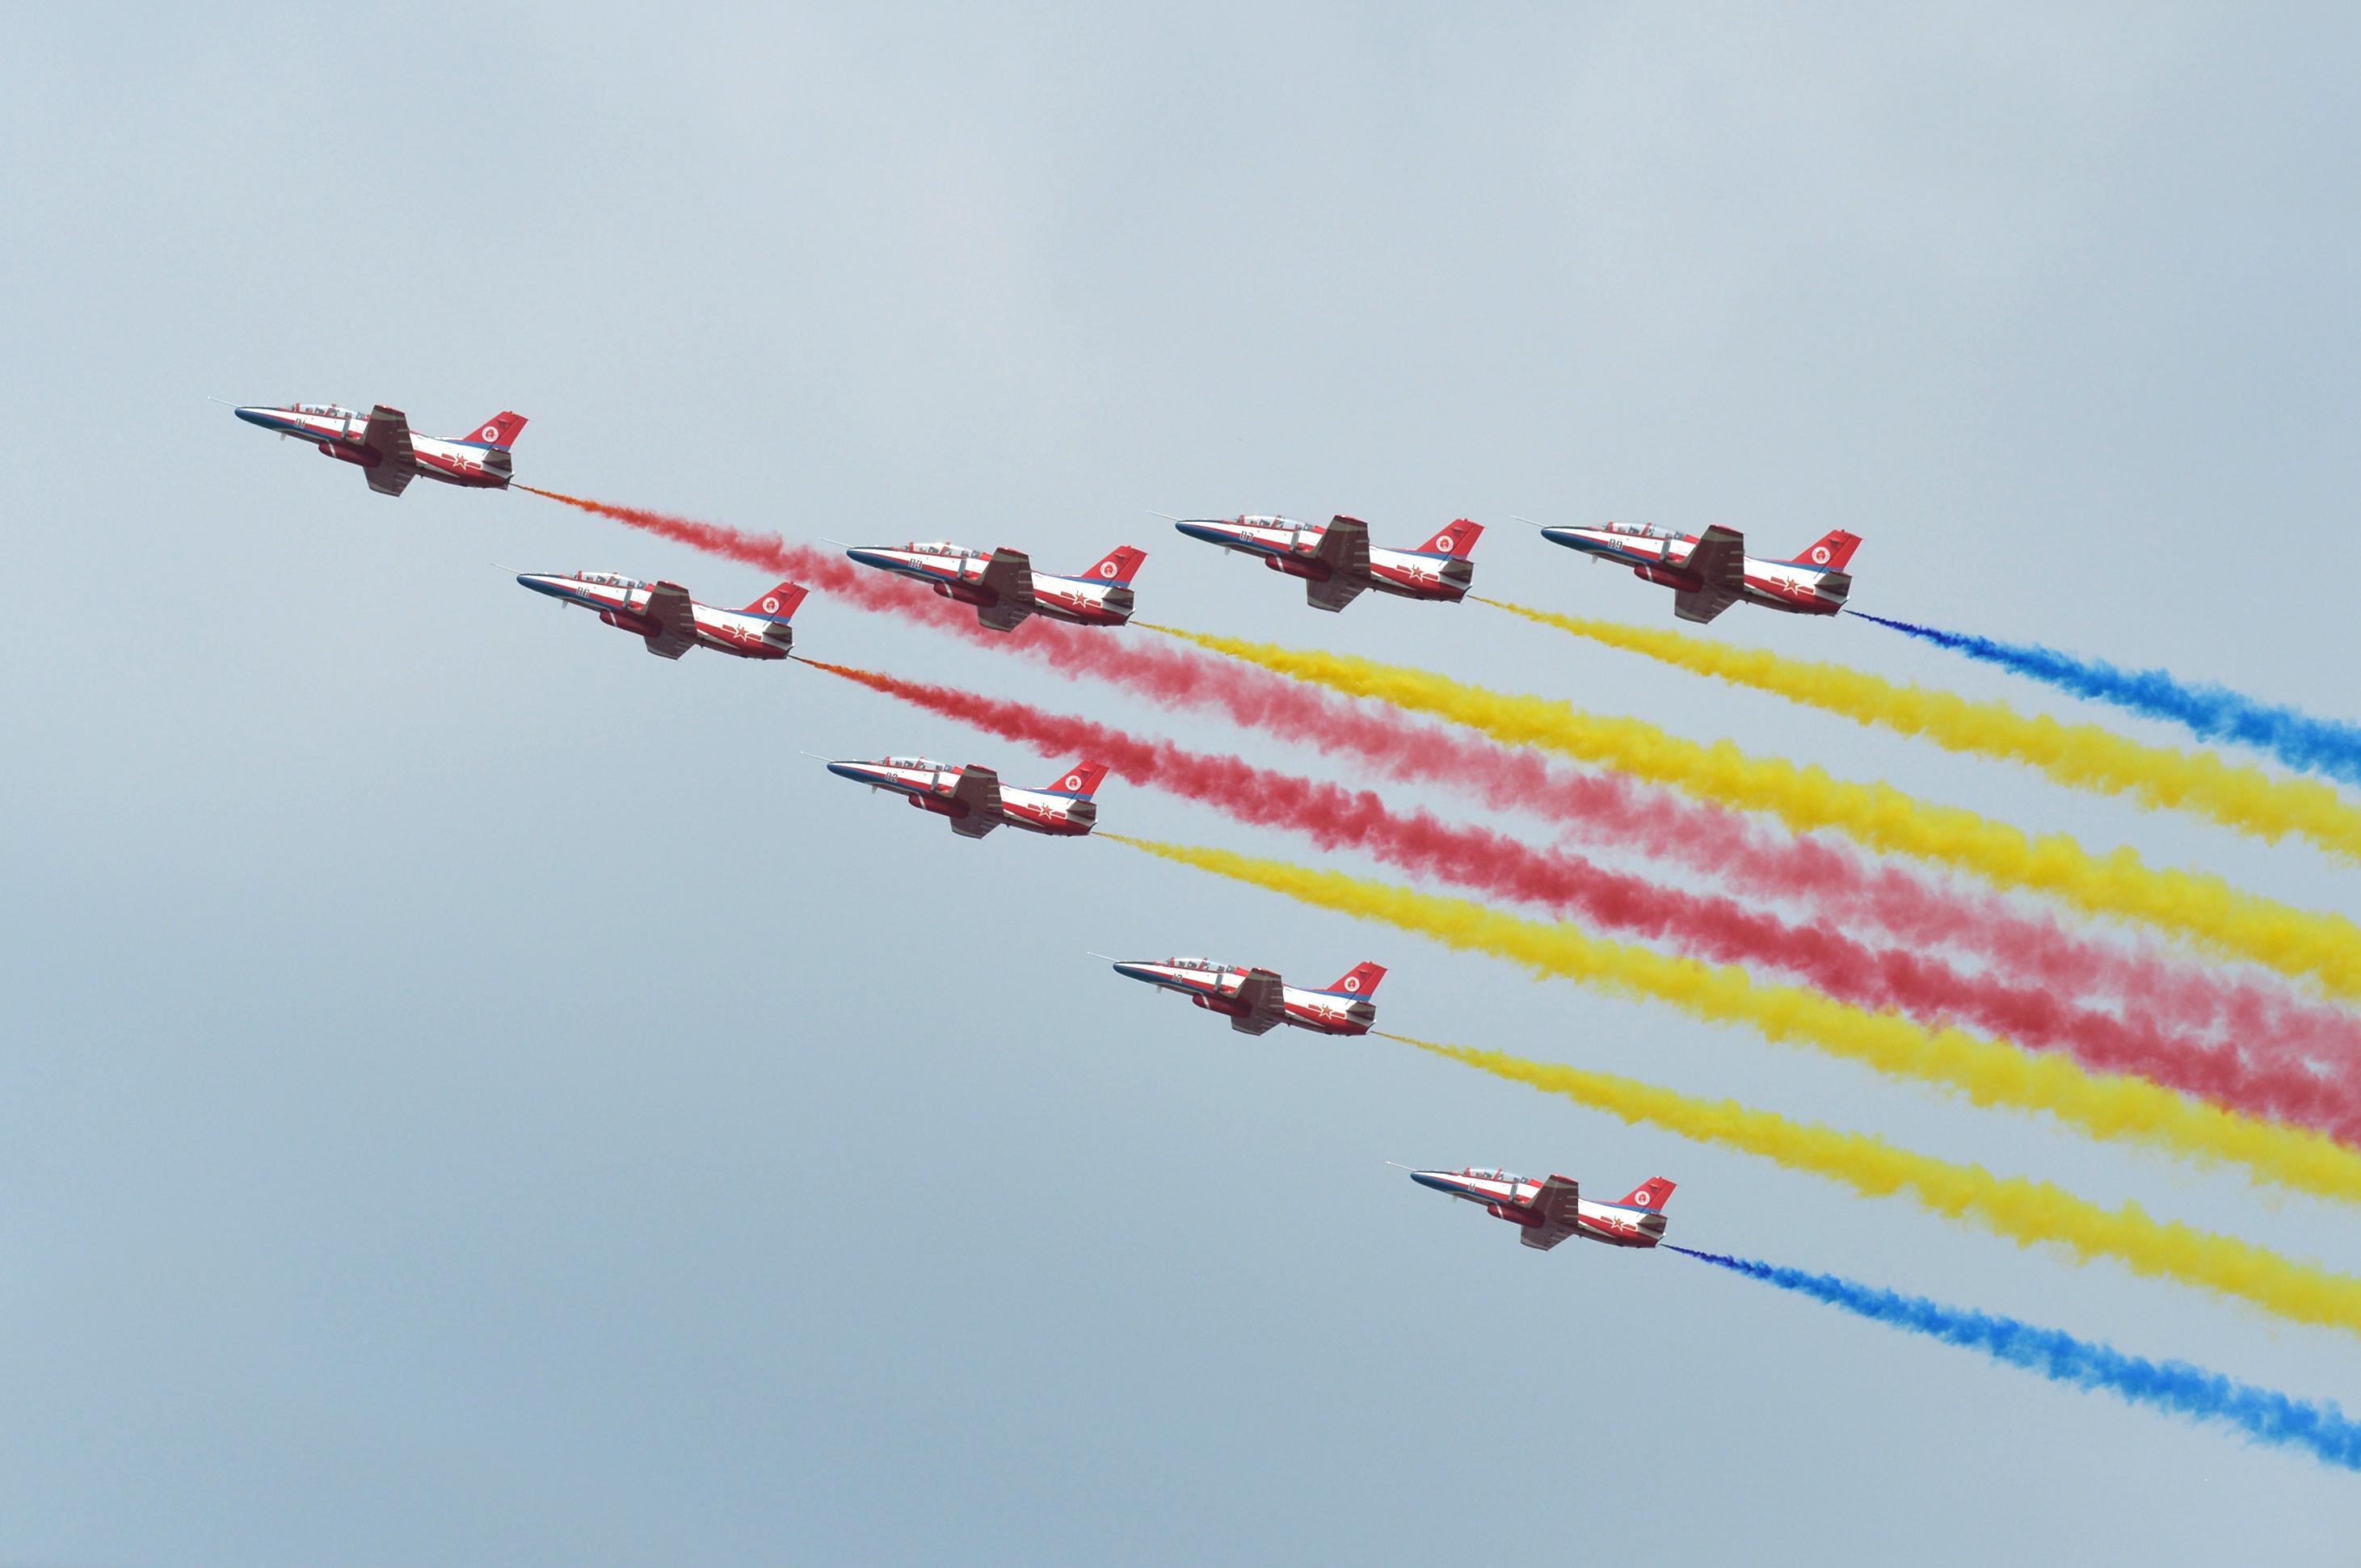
(1552, 1210)
(975, 800)
(1257, 1001)
(672, 622)
(1710, 572)
(1004, 587)
(1549, 1212)
(382, 445)
(1337, 561)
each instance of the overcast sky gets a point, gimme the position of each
(477, 1093)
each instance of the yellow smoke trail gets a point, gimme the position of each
(2026, 1211)
(2205, 909)
(1988, 1071)
(2080, 756)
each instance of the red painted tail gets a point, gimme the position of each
(779, 603)
(1079, 781)
(1650, 1194)
(497, 432)
(1361, 980)
(1457, 540)
(1118, 566)
(1831, 552)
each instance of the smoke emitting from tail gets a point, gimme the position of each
(1607, 808)
(2263, 1414)
(2210, 712)
(1706, 926)
(2080, 756)
(2026, 1211)
(1988, 1072)
(2301, 943)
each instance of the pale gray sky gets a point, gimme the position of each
(477, 1094)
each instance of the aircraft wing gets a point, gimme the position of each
(387, 434)
(1720, 560)
(980, 788)
(1264, 1001)
(1009, 576)
(1345, 550)
(1555, 1204)
(675, 615)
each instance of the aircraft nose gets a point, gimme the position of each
(878, 558)
(540, 585)
(251, 415)
(1134, 972)
(1429, 1178)
(1565, 536)
(1211, 532)
(852, 771)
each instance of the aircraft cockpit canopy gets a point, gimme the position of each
(937, 547)
(1642, 530)
(1197, 963)
(610, 579)
(921, 764)
(326, 411)
(1482, 1175)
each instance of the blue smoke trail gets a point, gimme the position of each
(2210, 712)
(2264, 1415)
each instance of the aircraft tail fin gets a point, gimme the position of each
(780, 603)
(1360, 981)
(1650, 1194)
(1454, 540)
(499, 432)
(1830, 551)
(1117, 565)
(1079, 781)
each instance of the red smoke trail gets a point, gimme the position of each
(1706, 926)
(1833, 880)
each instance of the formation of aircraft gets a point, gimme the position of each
(1710, 572)
(670, 622)
(1257, 1001)
(1546, 1212)
(1004, 587)
(382, 445)
(976, 801)
(1707, 572)
(1336, 560)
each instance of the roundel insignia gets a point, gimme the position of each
(1645, 1196)
(1352, 983)
(1073, 780)
(1446, 545)
(1106, 568)
(492, 433)
(771, 605)
(1820, 554)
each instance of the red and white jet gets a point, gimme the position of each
(1337, 561)
(1710, 572)
(1257, 1001)
(1004, 587)
(975, 800)
(672, 622)
(1549, 1212)
(381, 444)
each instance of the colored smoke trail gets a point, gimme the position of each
(2300, 943)
(2080, 756)
(2210, 712)
(1602, 808)
(814, 568)
(2022, 1210)
(1706, 926)
(2263, 1414)
(1988, 1072)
